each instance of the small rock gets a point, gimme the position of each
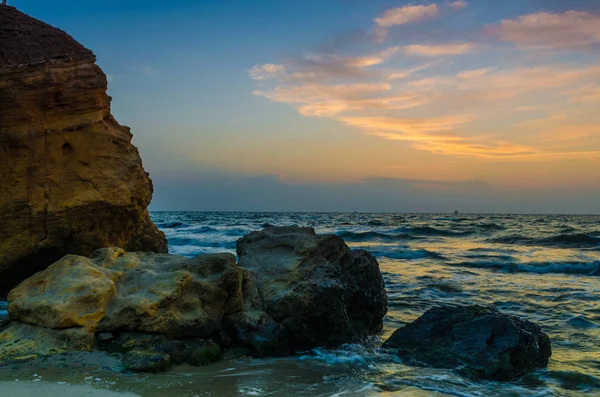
(146, 361)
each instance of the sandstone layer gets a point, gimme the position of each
(70, 179)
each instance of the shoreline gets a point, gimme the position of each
(46, 389)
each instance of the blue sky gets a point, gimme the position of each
(347, 105)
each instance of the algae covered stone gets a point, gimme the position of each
(153, 353)
(146, 361)
(23, 342)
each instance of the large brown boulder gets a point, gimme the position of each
(321, 292)
(115, 291)
(70, 179)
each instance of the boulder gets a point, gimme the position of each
(478, 340)
(155, 353)
(170, 294)
(73, 292)
(70, 179)
(318, 290)
(297, 291)
(140, 292)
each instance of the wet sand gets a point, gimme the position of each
(43, 389)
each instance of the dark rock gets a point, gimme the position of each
(148, 352)
(104, 336)
(479, 341)
(146, 361)
(321, 292)
(257, 331)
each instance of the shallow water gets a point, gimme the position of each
(545, 268)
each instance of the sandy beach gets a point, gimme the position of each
(44, 389)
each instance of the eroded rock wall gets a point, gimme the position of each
(71, 181)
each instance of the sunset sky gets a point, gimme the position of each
(354, 105)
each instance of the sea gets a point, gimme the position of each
(545, 268)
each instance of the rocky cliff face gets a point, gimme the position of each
(70, 179)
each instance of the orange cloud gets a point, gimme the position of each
(431, 50)
(436, 134)
(453, 107)
(586, 94)
(469, 74)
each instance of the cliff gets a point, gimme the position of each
(70, 179)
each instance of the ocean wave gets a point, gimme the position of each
(372, 235)
(490, 226)
(576, 240)
(200, 242)
(406, 254)
(580, 268)
(236, 232)
(3, 309)
(432, 231)
(170, 225)
(349, 354)
(201, 229)
(580, 321)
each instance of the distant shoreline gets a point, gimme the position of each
(379, 213)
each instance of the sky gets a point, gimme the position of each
(353, 105)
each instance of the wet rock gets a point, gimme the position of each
(141, 351)
(22, 342)
(71, 181)
(146, 361)
(321, 292)
(258, 332)
(480, 341)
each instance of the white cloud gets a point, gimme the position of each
(458, 5)
(266, 71)
(403, 15)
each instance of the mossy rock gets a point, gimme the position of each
(205, 354)
(146, 361)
